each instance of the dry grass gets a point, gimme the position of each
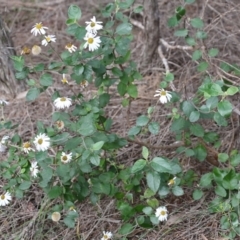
(28, 218)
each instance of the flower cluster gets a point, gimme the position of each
(92, 40)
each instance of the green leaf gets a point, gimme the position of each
(197, 54)
(153, 180)
(60, 138)
(46, 80)
(126, 4)
(163, 191)
(194, 116)
(220, 191)
(153, 127)
(222, 157)
(95, 160)
(142, 121)
(147, 210)
(70, 219)
(25, 185)
(32, 94)
(145, 152)
(138, 166)
(206, 180)
(132, 91)
(173, 21)
(197, 194)
(74, 12)
(122, 88)
(138, 9)
(225, 108)
(187, 108)
(235, 160)
(87, 127)
(181, 33)
(202, 66)
(134, 131)
(201, 35)
(213, 52)
(220, 120)
(177, 191)
(197, 130)
(169, 77)
(200, 152)
(124, 29)
(126, 229)
(231, 90)
(104, 100)
(161, 165)
(97, 146)
(180, 12)
(197, 23)
(55, 192)
(190, 41)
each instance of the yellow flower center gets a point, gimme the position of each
(90, 40)
(64, 80)
(105, 237)
(2, 197)
(171, 182)
(92, 24)
(48, 39)
(40, 141)
(163, 93)
(64, 158)
(26, 145)
(63, 99)
(163, 213)
(69, 45)
(38, 26)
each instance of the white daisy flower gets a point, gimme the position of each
(64, 79)
(92, 42)
(3, 143)
(2, 148)
(36, 50)
(3, 102)
(93, 26)
(5, 199)
(107, 235)
(27, 147)
(70, 47)
(34, 169)
(63, 102)
(171, 181)
(42, 142)
(164, 96)
(161, 214)
(56, 216)
(66, 158)
(38, 28)
(47, 39)
(4, 140)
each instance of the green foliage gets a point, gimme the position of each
(94, 170)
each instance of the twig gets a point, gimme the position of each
(137, 23)
(165, 63)
(174, 145)
(168, 46)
